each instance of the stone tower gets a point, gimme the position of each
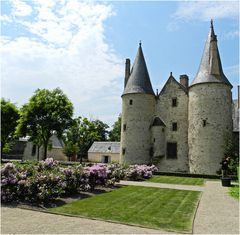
(209, 114)
(138, 108)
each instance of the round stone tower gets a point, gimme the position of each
(209, 111)
(138, 107)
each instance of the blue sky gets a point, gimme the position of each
(81, 46)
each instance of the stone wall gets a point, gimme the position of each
(210, 121)
(135, 130)
(178, 114)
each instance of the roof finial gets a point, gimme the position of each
(140, 43)
(170, 74)
(213, 36)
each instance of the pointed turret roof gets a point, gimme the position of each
(139, 81)
(210, 69)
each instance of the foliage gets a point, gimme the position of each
(231, 149)
(115, 133)
(139, 172)
(46, 113)
(176, 180)
(234, 192)
(46, 180)
(101, 129)
(9, 117)
(70, 149)
(82, 133)
(159, 208)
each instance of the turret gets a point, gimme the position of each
(138, 107)
(209, 115)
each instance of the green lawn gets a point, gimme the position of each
(234, 192)
(176, 180)
(167, 209)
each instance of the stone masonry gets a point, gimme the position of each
(181, 129)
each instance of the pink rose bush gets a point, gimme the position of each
(48, 180)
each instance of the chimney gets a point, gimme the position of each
(238, 96)
(184, 80)
(127, 71)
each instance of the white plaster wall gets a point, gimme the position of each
(178, 114)
(97, 157)
(137, 137)
(55, 153)
(211, 102)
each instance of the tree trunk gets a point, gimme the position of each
(45, 151)
(38, 152)
(1, 150)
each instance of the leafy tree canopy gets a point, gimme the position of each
(46, 113)
(9, 117)
(83, 132)
(115, 133)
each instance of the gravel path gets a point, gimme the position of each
(160, 185)
(218, 213)
(20, 221)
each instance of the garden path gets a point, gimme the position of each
(161, 185)
(20, 221)
(218, 213)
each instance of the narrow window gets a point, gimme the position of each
(124, 127)
(154, 140)
(204, 122)
(171, 150)
(174, 102)
(174, 126)
(151, 152)
(123, 151)
(130, 102)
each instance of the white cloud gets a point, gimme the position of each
(231, 34)
(20, 8)
(66, 49)
(232, 70)
(206, 10)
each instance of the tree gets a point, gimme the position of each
(46, 113)
(115, 133)
(9, 117)
(83, 133)
(101, 128)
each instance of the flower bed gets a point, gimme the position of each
(47, 180)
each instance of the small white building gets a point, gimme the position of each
(104, 152)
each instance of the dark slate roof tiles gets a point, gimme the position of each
(139, 80)
(105, 147)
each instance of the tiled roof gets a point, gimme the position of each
(105, 147)
(139, 81)
(210, 69)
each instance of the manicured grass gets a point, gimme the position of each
(167, 209)
(176, 180)
(234, 192)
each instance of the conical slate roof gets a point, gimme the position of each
(210, 69)
(139, 81)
